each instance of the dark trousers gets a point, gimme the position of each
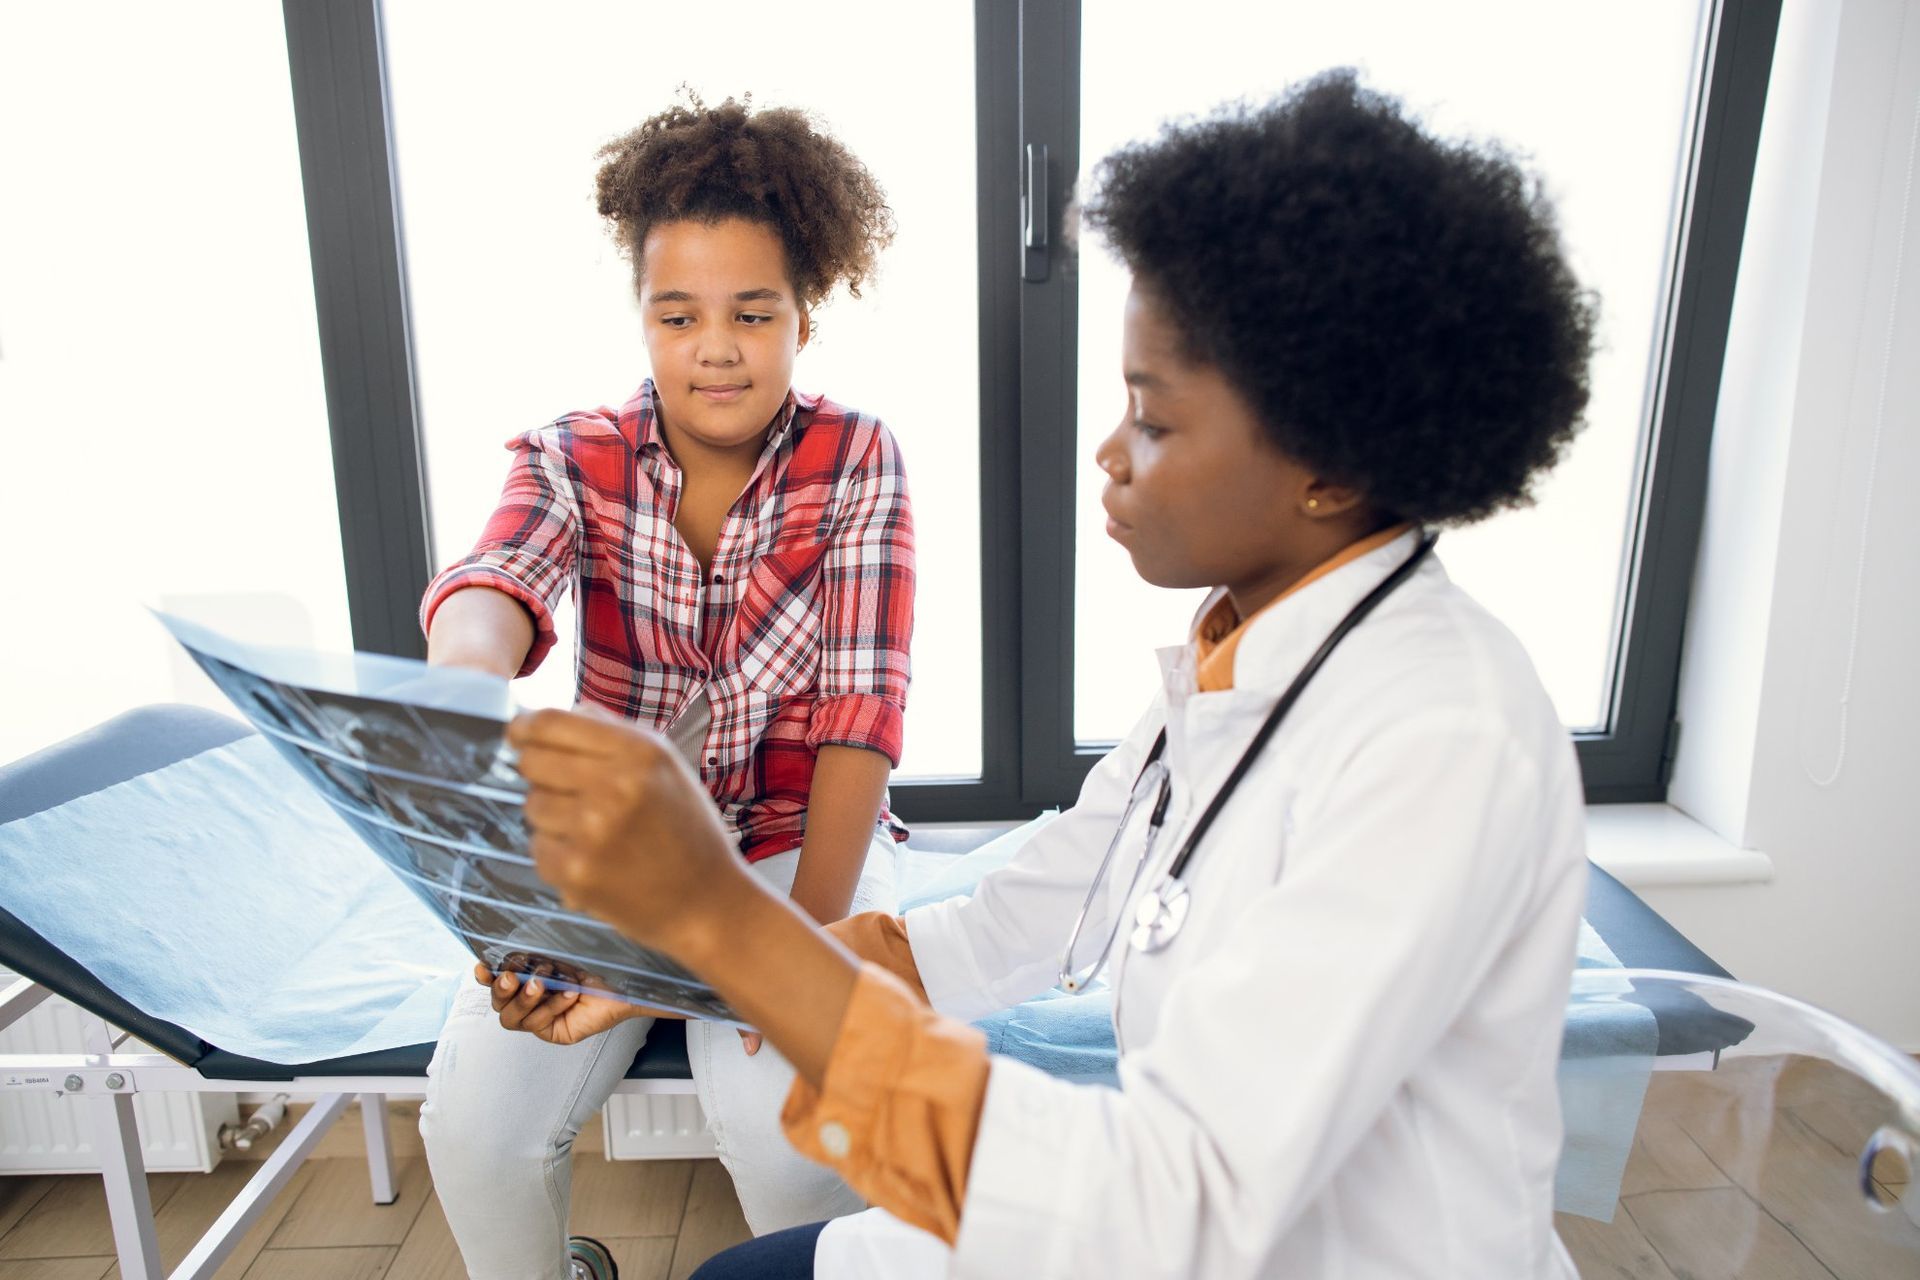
(783, 1255)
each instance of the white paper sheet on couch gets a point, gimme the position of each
(223, 894)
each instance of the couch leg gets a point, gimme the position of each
(116, 1139)
(373, 1119)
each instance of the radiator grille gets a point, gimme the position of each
(47, 1133)
(656, 1126)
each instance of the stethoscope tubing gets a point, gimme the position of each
(1271, 725)
(1172, 881)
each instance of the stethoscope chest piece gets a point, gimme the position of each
(1160, 915)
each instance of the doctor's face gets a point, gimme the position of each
(1195, 492)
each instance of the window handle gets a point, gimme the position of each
(1033, 214)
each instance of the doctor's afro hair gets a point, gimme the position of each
(773, 166)
(1395, 308)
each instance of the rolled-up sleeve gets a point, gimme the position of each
(529, 546)
(898, 1110)
(866, 590)
(880, 938)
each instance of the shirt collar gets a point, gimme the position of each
(639, 421)
(1220, 634)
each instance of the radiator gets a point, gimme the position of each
(47, 1133)
(655, 1126)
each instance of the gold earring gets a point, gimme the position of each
(1313, 504)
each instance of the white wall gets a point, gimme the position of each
(1800, 693)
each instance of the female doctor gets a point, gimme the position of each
(1335, 873)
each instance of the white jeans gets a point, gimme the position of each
(503, 1109)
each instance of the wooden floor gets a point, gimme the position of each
(1742, 1172)
(1751, 1171)
(661, 1218)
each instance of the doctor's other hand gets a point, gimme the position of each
(622, 829)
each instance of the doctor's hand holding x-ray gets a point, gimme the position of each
(602, 790)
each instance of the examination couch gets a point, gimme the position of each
(151, 738)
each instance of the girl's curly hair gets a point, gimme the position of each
(773, 166)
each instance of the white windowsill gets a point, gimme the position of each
(1657, 846)
(1644, 845)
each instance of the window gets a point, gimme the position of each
(522, 308)
(160, 379)
(1650, 170)
(1553, 572)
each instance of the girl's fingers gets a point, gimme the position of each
(549, 1011)
(504, 987)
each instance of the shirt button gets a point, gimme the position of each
(713, 760)
(834, 1139)
(719, 577)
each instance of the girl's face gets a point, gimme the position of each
(1195, 491)
(722, 327)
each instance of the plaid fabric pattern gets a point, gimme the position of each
(798, 631)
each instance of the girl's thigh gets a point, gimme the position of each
(513, 1093)
(874, 892)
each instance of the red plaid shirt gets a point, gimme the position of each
(798, 631)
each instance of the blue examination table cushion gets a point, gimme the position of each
(223, 895)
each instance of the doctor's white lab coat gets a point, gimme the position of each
(1344, 1064)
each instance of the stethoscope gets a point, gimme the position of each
(1162, 910)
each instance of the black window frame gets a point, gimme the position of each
(1027, 91)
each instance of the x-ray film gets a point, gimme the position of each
(414, 759)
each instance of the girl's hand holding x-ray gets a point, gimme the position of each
(556, 1016)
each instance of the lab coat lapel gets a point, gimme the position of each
(1208, 732)
(1280, 640)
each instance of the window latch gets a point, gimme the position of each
(1033, 215)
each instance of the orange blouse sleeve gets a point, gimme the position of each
(898, 1109)
(881, 939)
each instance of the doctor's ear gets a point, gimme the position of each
(1324, 500)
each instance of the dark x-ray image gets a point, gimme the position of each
(434, 793)
(342, 782)
(269, 706)
(463, 871)
(462, 817)
(443, 747)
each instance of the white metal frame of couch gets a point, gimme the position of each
(104, 1081)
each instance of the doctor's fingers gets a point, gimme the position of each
(554, 813)
(589, 821)
(591, 732)
(616, 783)
(578, 873)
